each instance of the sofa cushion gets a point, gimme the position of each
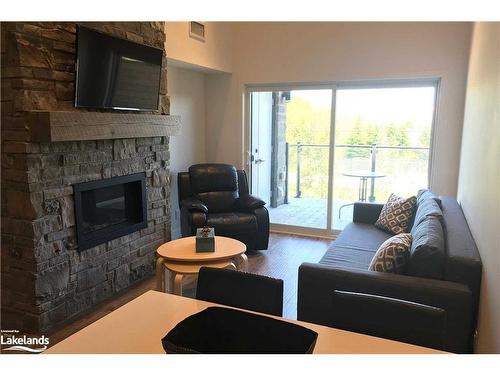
(427, 253)
(425, 208)
(355, 246)
(392, 256)
(396, 214)
(425, 194)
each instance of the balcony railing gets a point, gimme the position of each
(365, 153)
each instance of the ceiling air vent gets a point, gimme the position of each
(197, 30)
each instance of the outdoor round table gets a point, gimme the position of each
(179, 258)
(363, 176)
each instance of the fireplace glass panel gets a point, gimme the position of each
(104, 207)
(109, 209)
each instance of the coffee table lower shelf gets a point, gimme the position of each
(173, 273)
(178, 258)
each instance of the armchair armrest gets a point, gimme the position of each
(318, 303)
(192, 204)
(366, 213)
(249, 203)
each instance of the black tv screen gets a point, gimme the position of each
(115, 73)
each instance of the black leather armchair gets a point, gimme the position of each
(216, 195)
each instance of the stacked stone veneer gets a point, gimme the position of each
(45, 279)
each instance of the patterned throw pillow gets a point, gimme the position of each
(396, 214)
(392, 256)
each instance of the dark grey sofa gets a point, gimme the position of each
(438, 312)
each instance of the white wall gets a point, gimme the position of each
(187, 99)
(479, 182)
(215, 53)
(317, 52)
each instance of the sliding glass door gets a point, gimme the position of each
(382, 145)
(314, 151)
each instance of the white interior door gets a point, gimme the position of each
(262, 110)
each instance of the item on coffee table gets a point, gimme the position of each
(205, 240)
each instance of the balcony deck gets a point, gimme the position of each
(402, 174)
(311, 213)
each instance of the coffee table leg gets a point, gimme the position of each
(178, 284)
(160, 275)
(169, 281)
(243, 263)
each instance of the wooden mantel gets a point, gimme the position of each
(83, 126)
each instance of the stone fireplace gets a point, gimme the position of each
(47, 279)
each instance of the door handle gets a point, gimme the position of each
(257, 161)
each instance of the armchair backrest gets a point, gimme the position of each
(184, 185)
(218, 186)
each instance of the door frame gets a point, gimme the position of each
(432, 81)
(252, 147)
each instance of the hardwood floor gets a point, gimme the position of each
(281, 260)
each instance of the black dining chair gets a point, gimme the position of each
(240, 289)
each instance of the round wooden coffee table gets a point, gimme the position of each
(179, 258)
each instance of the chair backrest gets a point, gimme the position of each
(390, 318)
(184, 185)
(240, 289)
(216, 185)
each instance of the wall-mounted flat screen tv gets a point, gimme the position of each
(114, 73)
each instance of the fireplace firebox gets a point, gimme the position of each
(110, 208)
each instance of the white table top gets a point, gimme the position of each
(139, 326)
(184, 250)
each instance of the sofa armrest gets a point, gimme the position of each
(249, 203)
(192, 204)
(389, 318)
(366, 213)
(318, 283)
